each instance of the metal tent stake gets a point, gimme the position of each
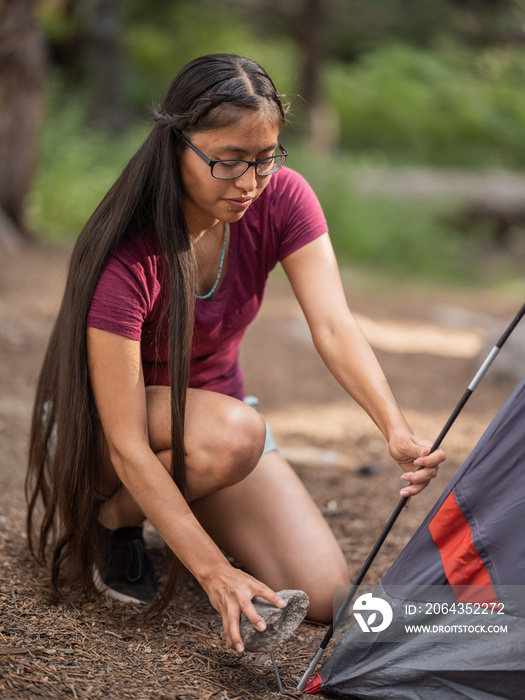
(375, 549)
(279, 684)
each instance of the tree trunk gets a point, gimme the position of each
(107, 108)
(311, 23)
(22, 74)
(321, 122)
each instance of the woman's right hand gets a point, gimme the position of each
(231, 592)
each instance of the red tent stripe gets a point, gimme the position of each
(314, 685)
(461, 561)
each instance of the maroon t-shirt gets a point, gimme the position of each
(129, 298)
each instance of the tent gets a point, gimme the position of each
(456, 592)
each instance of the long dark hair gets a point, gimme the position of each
(65, 441)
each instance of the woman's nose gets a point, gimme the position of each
(248, 180)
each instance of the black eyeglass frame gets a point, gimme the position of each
(249, 163)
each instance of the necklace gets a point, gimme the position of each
(219, 273)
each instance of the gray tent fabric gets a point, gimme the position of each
(457, 590)
(429, 666)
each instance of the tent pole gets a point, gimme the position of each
(382, 537)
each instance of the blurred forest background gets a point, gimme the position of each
(408, 116)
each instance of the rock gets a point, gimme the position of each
(281, 623)
(371, 468)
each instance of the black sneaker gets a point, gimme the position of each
(129, 575)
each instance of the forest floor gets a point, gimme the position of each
(428, 340)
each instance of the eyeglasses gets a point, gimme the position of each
(230, 169)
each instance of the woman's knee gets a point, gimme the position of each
(225, 443)
(223, 439)
(247, 433)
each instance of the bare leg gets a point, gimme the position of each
(258, 511)
(271, 526)
(224, 439)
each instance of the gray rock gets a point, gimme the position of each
(281, 623)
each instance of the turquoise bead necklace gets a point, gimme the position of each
(219, 273)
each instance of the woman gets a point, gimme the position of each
(139, 410)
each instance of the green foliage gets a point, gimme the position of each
(412, 238)
(77, 167)
(449, 107)
(156, 53)
(436, 102)
(417, 82)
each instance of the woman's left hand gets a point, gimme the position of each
(411, 453)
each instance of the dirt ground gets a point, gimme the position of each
(97, 649)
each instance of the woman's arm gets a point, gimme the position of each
(115, 369)
(315, 278)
